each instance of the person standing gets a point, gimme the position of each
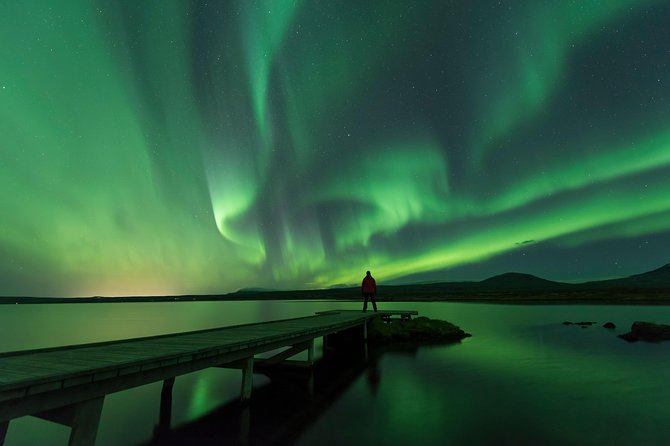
(368, 290)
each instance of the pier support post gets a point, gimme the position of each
(310, 352)
(82, 418)
(247, 378)
(85, 421)
(165, 413)
(247, 367)
(4, 426)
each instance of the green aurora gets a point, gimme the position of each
(188, 147)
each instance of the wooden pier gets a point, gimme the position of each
(67, 385)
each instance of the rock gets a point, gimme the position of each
(609, 325)
(567, 323)
(629, 337)
(647, 331)
(418, 329)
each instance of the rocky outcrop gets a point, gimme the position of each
(647, 331)
(609, 325)
(420, 329)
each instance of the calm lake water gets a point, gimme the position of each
(524, 378)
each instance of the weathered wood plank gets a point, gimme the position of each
(55, 364)
(28, 371)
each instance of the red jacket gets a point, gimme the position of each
(369, 285)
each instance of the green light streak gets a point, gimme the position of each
(396, 184)
(170, 147)
(92, 197)
(344, 59)
(300, 253)
(266, 24)
(537, 45)
(237, 166)
(232, 189)
(615, 203)
(591, 168)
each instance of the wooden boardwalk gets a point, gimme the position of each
(68, 384)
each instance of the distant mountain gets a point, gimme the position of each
(340, 285)
(658, 278)
(506, 283)
(254, 290)
(520, 281)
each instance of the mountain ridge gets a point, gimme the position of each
(656, 278)
(647, 287)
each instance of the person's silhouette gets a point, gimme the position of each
(368, 290)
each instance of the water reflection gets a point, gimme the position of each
(523, 378)
(290, 403)
(374, 376)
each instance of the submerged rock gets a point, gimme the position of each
(609, 325)
(418, 329)
(647, 331)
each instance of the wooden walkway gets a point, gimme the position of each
(67, 385)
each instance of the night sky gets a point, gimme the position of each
(176, 147)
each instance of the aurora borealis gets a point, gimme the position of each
(183, 147)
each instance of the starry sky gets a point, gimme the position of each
(187, 147)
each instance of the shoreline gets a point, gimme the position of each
(658, 297)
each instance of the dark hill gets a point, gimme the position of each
(254, 290)
(520, 281)
(658, 278)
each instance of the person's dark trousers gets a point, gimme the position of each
(370, 296)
